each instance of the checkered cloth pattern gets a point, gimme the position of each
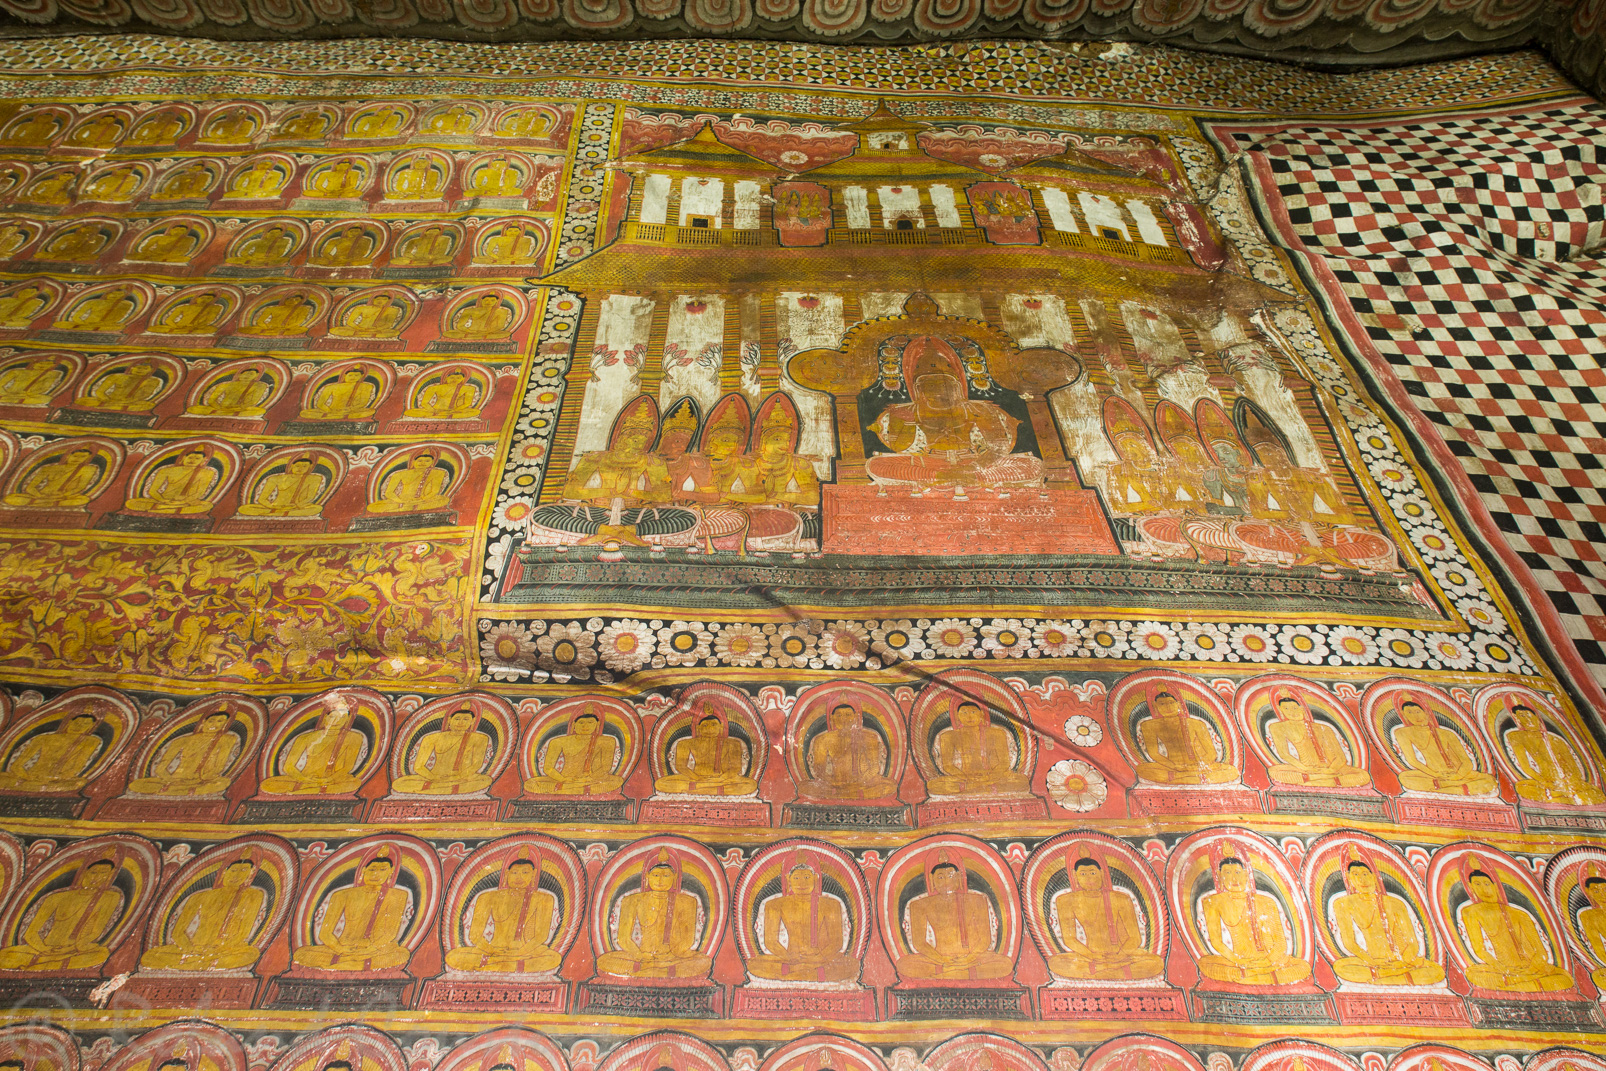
(1469, 248)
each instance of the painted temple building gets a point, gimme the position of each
(1129, 386)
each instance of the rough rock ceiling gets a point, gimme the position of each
(1326, 32)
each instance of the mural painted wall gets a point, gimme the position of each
(710, 572)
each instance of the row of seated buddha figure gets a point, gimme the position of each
(193, 478)
(242, 124)
(482, 315)
(247, 388)
(424, 177)
(849, 743)
(1241, 914)
(1176, 733)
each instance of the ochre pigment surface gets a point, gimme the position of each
(713, 557)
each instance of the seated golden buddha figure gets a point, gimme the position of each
(54, 761)
(974, 757)
(1179, 747)
(1245, 929)
(523, 124)
(185, 183)
(416, 180)
(378, 317)
(428, 247)
(193, 763)
(262, 181)
(198, 316)
(803, 934)
(950, 930)
(351, 247)
(1373, 928)
(113, 186)
(361, 927)
(267, 248)
(34, 130)
(284, 318)
(1436, 758)
(942, 438)
(657, 931)
(417, 487)
(100, 132)
(627, 472)
(212, 929)
(338, 180)
(453, 122)
(291, 493)
(448, 761)
(1592, 922)
(183, 488)
(708, 762)
(509, 925)
(68, 925)
(22, 307)
(241, 395)
(75, 244)
(60, 483)
(485, 319)
(13, 237)
(1310, 751)
(302, 126)
(1555, 773)
(499, 177)
(1509, 954)
(578, 763)
(32, 383)
(160, 128)
(1100, 931)
(127, 390)
(847, 761)
(511, 245)
(351, 397)
(173, 244)
(233, 127)
(56, 188)
(323, 759)
(107, 311)
(453, 397)
(380, 123)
